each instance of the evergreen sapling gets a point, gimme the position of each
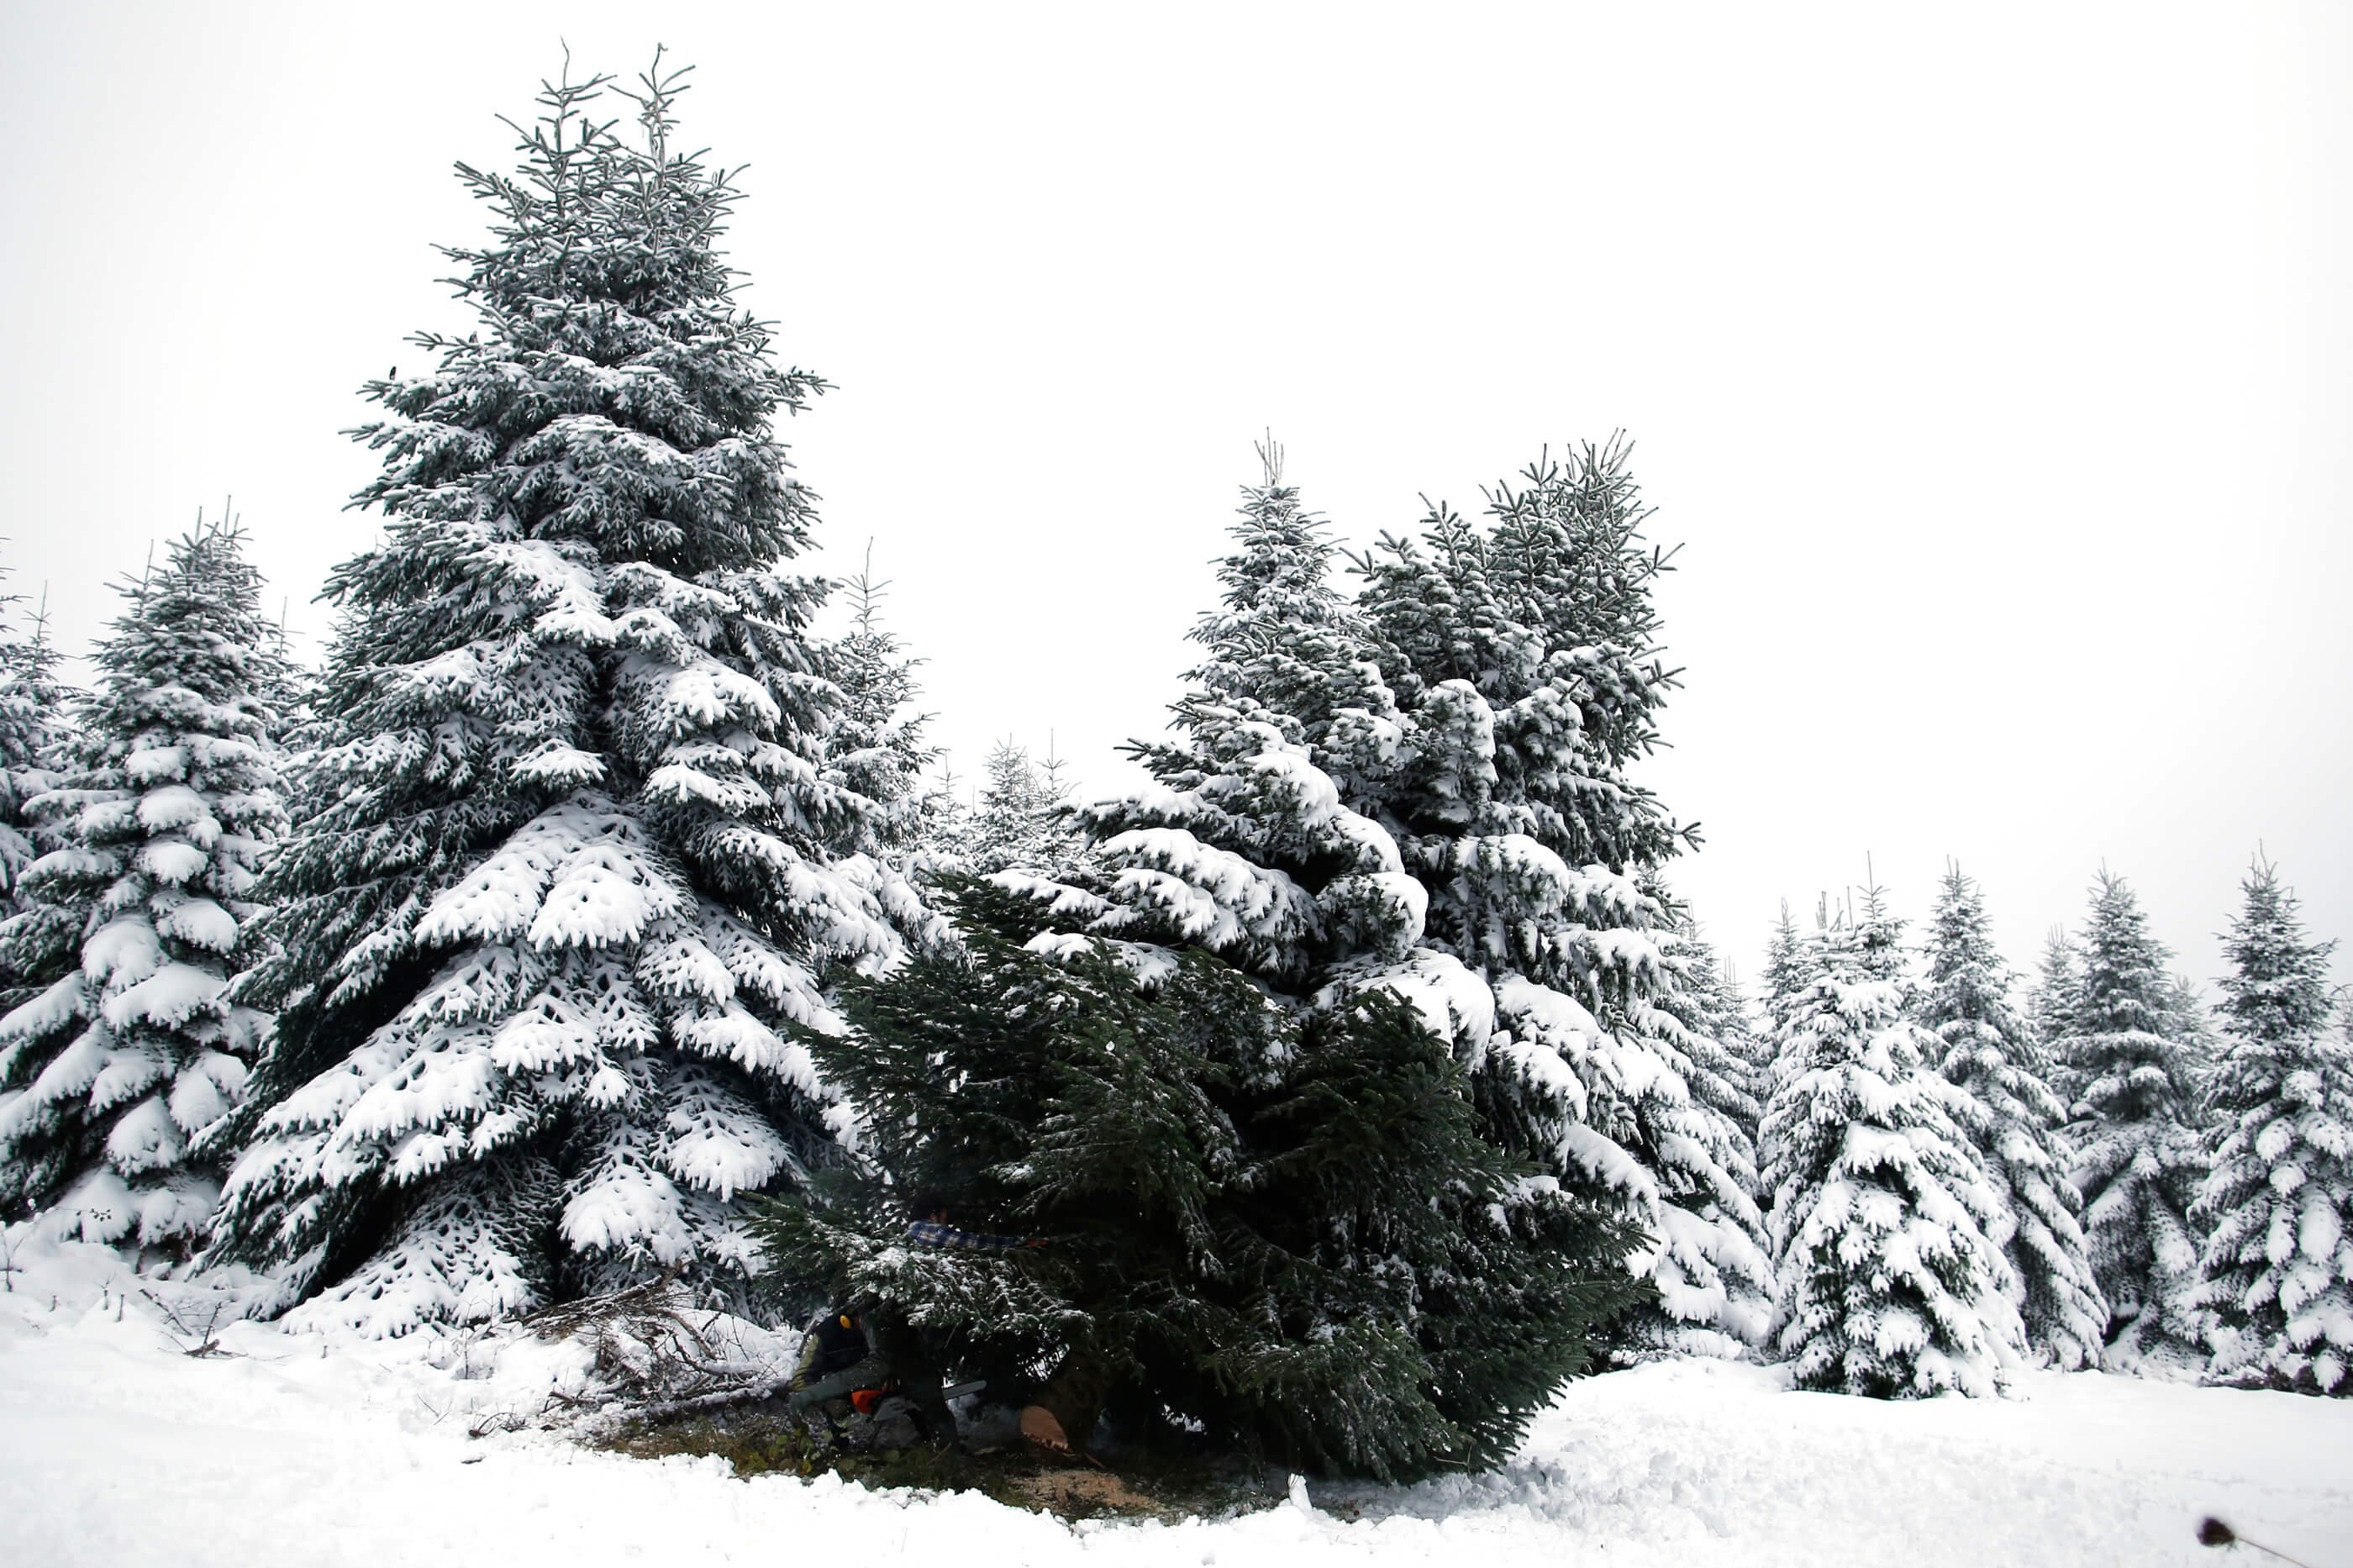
(1788, 974)
(876, 747)
(1708, 1002)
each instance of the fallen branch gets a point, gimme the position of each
(656, 1362)
(188, 1341)
(716, 1399)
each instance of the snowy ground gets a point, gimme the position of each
(115, 1449)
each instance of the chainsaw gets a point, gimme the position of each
(867, 1401)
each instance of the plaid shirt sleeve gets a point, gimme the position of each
(927, 1233)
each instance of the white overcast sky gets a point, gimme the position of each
(1991, 363)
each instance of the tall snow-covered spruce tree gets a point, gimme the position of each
(2137, 1157)
(1989, 1050)
(575, 851)
(110, 1075)
(2278, 1264)
(1893, 1282)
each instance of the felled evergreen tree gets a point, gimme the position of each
(575, 851)
(35, 727)
(109, 1075)
(1276, 1224)
(1987, 1049)
(1884, 1219)
(2277, 1270)
(2137, 1160)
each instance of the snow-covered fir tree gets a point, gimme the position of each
(1427, 791)
(1885, 1221)
(1707, 1000)
(109, 1076)
(1788, 972)
(36, 725)
(575, 851)
(1748, 1043)
(876, 747)
(2190, 1022)
(947, 816)
(1283, 648)
(2277, 1272)
(1988, 1049)
(2057, 988)
(2137, 1159)
(2051, 1003)
(1244, 847)
(1020, 816)
(1790, 962)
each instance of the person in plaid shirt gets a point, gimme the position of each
(1075, 1395)
(931, 1228)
